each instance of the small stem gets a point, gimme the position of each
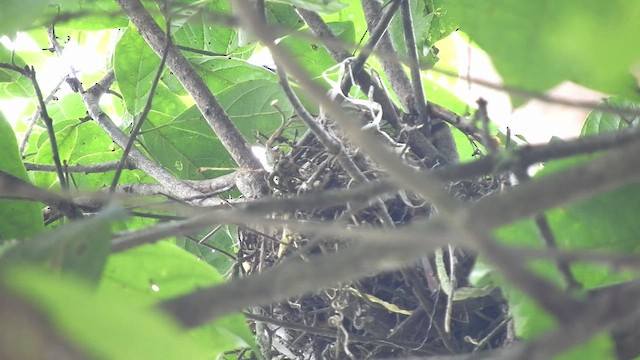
(31, 74)
(414, 66)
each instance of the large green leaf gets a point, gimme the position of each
(221, 73)
(81, 143)
(186, 143)
(135, 66)
(18, 219)
(225, 238)
(89, 15)
(351, 13)
(598, 122)
(313, 57)
(535, 45)
(12, 83)
(200, 32)
(430, 24)
(284, 15)
(150, 273)
(19, 15)
(249, 106)
(101, 326)
(321, 6)
(79, 248)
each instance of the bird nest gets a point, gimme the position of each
(387, 315)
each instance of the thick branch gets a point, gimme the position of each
(620, 167)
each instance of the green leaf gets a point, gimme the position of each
(599, 347)
(225, 239)
(313, 57)
(536, 45)
(430, 24)
(249, 106)
(284, 15)
(91, 15)
(13, 84)
(321, 6)
(187, 143)
(135, 66)
(18, 219)
(351, 13)
(150, 273)
(79, 248)
(598, 122)
(102, 326)
(20, 14)
(183, 142)
(221, 73)
(198, 32)
(81, 143)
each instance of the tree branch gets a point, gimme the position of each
(214, 114)
(393, 68)
(172, 185)
(31, 74)
(377, 33)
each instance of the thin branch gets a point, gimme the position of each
(290, 279)
(414, 66)
(377, 33)
(528, 155)
(331, 144)
(72, 77)
(36, 115)
(198, 51)
(173, 186)
(419, 144)
(544, 228)
(214, 114)
(14, 187)
(208, 187)
(147, 107)
(31, 74)
(254, 211)
(395, 73)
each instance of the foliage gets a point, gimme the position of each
(68, 285)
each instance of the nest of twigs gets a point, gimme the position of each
(388, 315)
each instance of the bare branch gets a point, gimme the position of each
(393, 68)
(414, 65)
(172, 186)
(377, 33)
(31, 74)
(213, 113)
